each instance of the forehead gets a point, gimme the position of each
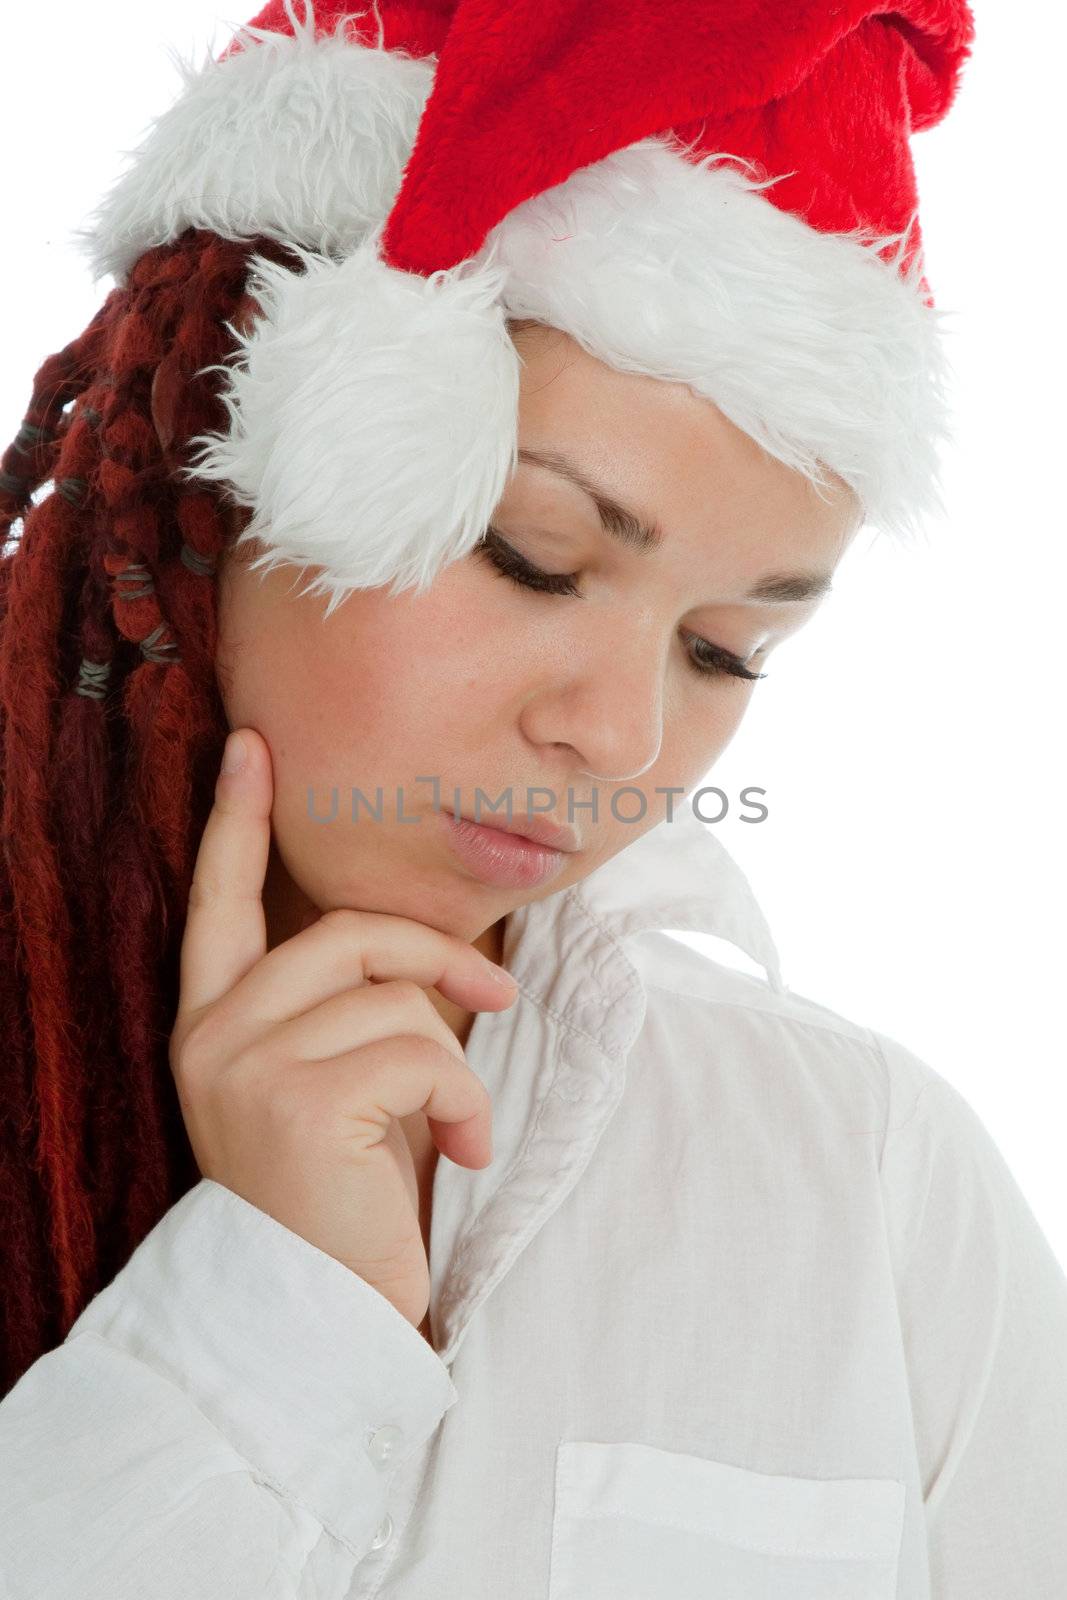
(671, 455)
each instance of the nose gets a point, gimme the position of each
(607, 706)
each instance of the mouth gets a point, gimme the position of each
(536, 830)
(507, 856)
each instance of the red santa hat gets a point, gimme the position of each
(713, 192)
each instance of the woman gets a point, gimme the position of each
(716, 1291)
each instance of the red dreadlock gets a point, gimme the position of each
(112, 731)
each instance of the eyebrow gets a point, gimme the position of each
(623, 524)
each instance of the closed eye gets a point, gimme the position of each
(711, 662)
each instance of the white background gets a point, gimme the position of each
(911, 866)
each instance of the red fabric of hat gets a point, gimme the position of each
(525, 93)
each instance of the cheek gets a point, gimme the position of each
(383, 687)
(442, 662)
(715, 713)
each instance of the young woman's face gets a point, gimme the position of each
(489, 686)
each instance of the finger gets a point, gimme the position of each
(226, 927)
(346, 950)
(356, 1017)
(402, 1074)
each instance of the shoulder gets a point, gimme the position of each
(954, 1208)
(709, 1006)
(671, 967)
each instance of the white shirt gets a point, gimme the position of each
(747, 1305)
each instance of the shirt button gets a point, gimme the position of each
(383, 1443)
(384, 1534)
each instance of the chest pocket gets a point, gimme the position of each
(632, 1522)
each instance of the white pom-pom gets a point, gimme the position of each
(373, 418)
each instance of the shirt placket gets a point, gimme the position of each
(568, 1052)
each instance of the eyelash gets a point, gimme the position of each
(509, 564)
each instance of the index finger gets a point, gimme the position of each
(226, 925)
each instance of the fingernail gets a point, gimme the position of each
(233, 756)
(500, 975)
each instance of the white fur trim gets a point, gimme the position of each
(373, 418)
(809, 342)
(300, 139)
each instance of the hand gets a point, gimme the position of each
(294, 1065)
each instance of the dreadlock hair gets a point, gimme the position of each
(111, 733)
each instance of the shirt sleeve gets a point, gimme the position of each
(983, 1313)
(222, 1421)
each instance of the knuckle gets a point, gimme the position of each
(414, 1049)
(405, 991)
(433, 1050)
(192, 1046)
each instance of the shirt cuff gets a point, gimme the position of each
(295, 1359)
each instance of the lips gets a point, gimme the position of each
(539, 830)
(502, 858)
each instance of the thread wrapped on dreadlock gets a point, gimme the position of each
(92, 679)
(203, 566)
(30, 457)
(28, 443)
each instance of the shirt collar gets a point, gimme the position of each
(567, 951)
(679, 875)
